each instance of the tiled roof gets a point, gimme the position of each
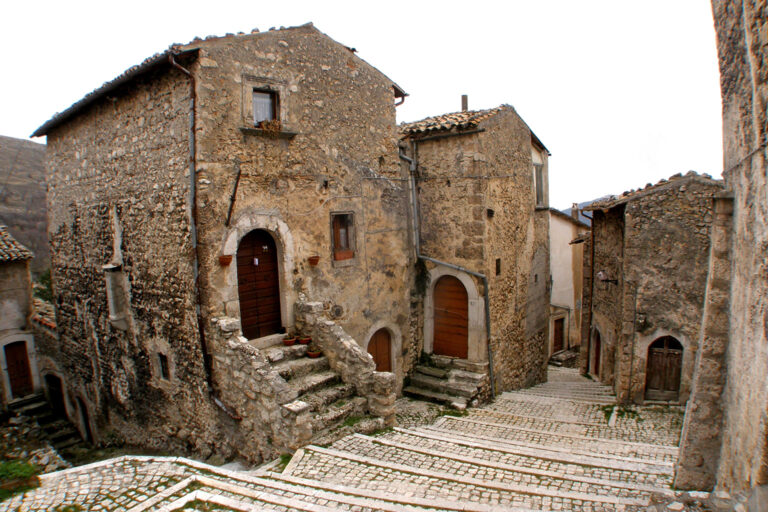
(629, 195)
(44, 314)
(462, 120)
(10, 249)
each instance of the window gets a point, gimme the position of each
(165, 373)
(498, 266)
(343, 227)
(117, 286)
(265, 107)
(538, 178)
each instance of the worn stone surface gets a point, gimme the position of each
(741, 39)
(655, 243)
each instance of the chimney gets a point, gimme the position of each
(575, 211)
(464, 102)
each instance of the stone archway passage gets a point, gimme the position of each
(665, 360)
(19, 373)
(380, 347)
(258, 285)
(451, 318)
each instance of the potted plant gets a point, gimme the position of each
(313, 350)
(289, 340)
(305, 340)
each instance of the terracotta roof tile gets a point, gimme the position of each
(10, 249)
(461, 120)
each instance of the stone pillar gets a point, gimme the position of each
(701, 436)
(586, 305)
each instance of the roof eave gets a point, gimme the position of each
(92, 97)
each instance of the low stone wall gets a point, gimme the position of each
(269, 417)
(347, 358)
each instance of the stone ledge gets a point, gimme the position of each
(258, 132)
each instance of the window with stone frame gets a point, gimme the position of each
(265, 106)
(117, 300)
(165, 371)
(343, 235)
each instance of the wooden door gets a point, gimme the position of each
(596, 366)
(380, 347)
(18, 369)
(451, 318)
(258, 285)
(665, 359)
(559, 335)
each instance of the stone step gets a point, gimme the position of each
(323, 397)
(568, 396)
(384, 449)
(444, 386)
(366, 472)
(457, 402)
(439, 373)
(592, 430)
(338, 412)
(314, 381)
(562, 462)
(459, 364)
(466, 376)
(278, 353)
(551, 407)
(650, 453)
(30, 406)
(295, 368)
(352, 424)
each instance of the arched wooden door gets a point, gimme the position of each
(665, 362)
(380, 347)
(258, 285)
(19, 373)
(451, 318)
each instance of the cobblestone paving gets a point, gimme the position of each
(548, 448)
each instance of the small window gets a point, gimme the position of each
(343, 228)
(165, 373)
(116, 284)
(264, 106)
(538, 178)
(498, 266)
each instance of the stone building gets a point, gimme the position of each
(17, 346)
(231, 192)
(644, 287)
(480, 193)
(725, 435)
(203, 204)
(566, 233)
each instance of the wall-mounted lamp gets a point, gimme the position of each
(603, 276)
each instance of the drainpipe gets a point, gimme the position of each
(193, 219)
(417, 246)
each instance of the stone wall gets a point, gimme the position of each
(477, 205)
(15, 295)
(742, 38)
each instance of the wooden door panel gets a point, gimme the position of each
(380, 348)
(451, 318)
(665, 357)
(19, 372)
(258, 285)
(558, 343)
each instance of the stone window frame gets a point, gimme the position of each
(252, 84)
(345, 259)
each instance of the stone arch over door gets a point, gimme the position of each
(687, 361)
(245, 223)
(476, 340)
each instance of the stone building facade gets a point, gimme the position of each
(226, 156)
(480, 195)
(649, 261)
(18, 358)
(228, 193)
(566, 235)
(725, 436)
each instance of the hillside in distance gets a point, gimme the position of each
(22, 196)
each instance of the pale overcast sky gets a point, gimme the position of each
(621, 92)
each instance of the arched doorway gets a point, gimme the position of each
(56, 395)
(665, 361)
(19, 372)
(380, 347)
(451, 318)
(596, 343)
(258, 285)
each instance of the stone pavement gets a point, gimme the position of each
(562, 445)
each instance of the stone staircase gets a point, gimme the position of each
(335, 408)
(61, 434)
(449, 381)
(559, 446)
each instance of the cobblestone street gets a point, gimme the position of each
(562, 445)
